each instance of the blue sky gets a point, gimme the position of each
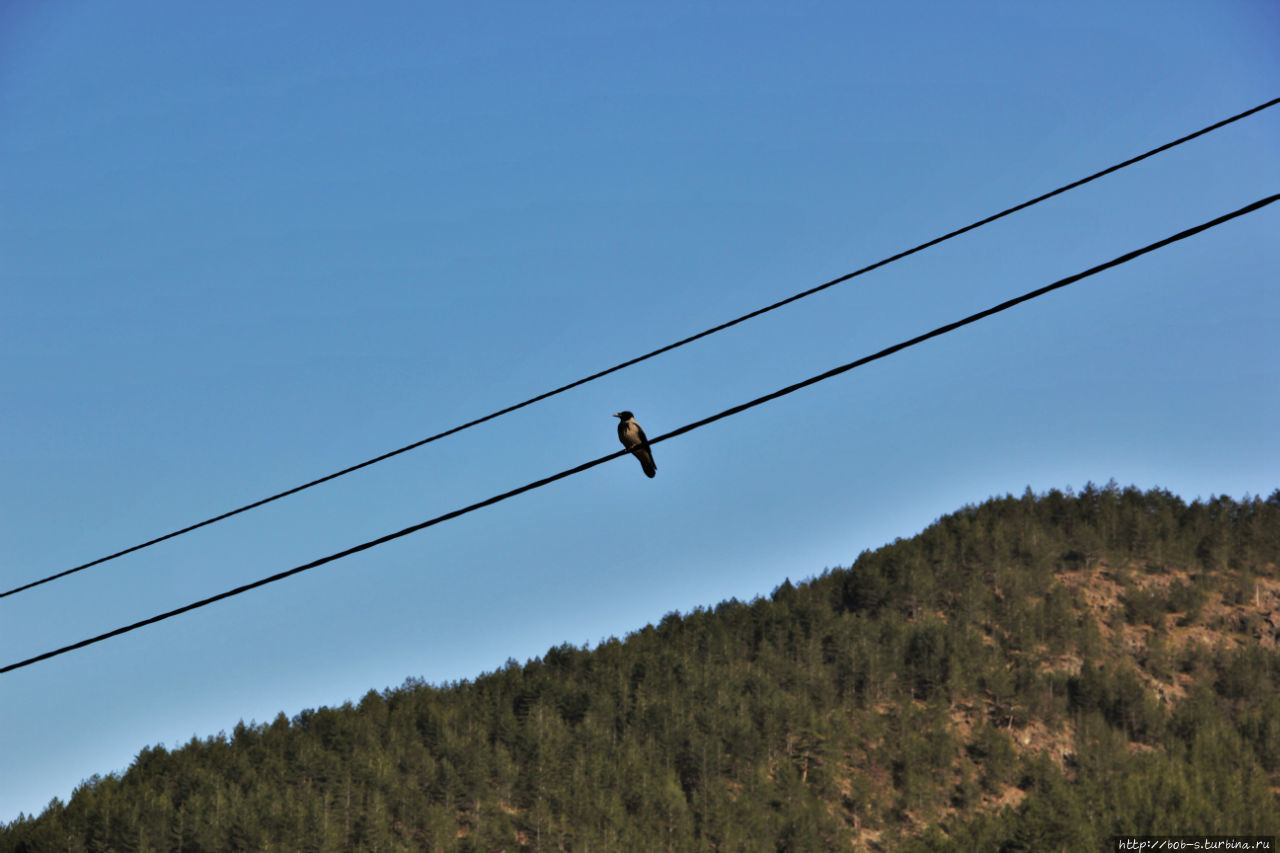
(244, 245)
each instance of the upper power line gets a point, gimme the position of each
(628, 363)
(782, 392)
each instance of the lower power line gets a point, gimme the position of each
(782, 392)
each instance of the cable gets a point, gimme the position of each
(714, 329)
(782, 392)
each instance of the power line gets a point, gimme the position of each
(782, 392)
(622, 365)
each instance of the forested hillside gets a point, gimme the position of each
(1034, 673)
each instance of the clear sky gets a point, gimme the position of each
(243, 245)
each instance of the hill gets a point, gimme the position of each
(1032, 673)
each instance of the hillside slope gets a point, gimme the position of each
(1034, 673)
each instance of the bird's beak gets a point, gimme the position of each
(616, 415)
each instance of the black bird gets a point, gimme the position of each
(632, 438)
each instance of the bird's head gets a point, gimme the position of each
(626, 416)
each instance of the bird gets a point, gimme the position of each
(632, 438)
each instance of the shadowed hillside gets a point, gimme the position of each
(1034, 673)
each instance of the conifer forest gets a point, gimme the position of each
(1034, 673)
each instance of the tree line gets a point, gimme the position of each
(887, 705)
